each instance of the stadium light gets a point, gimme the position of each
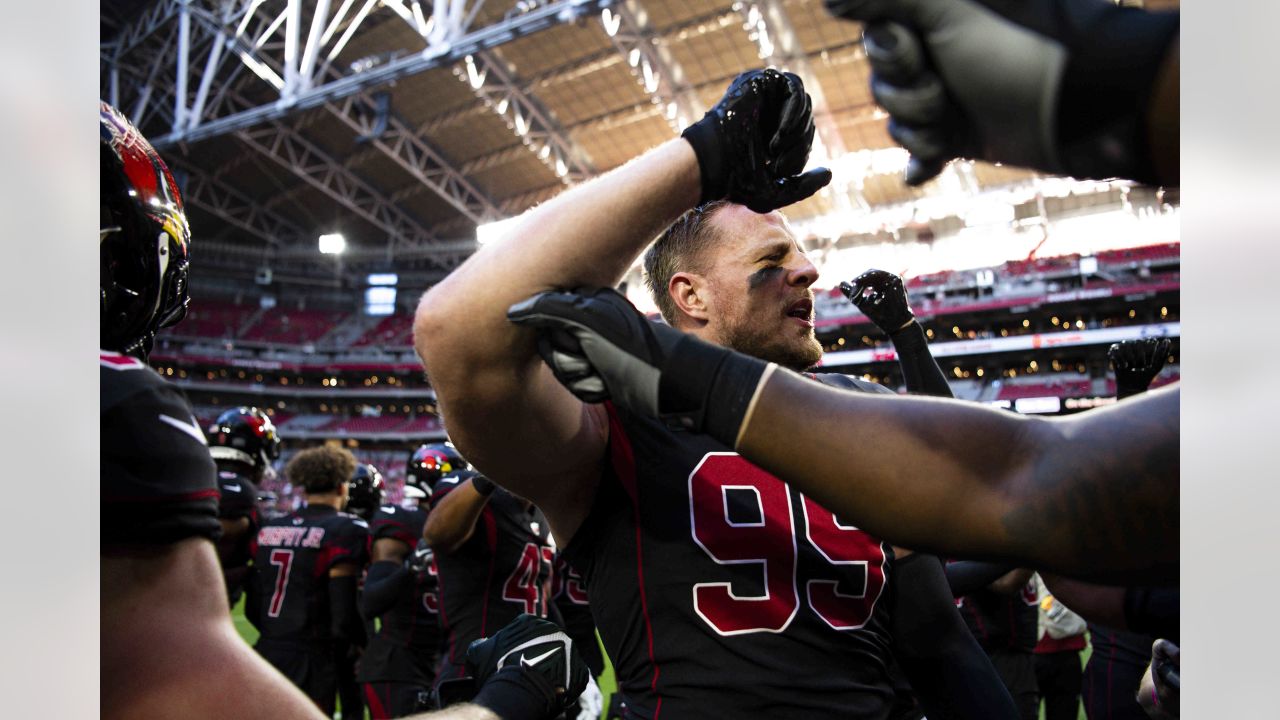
(488, 232)
(332, 244)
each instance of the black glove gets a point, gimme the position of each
(417, 561)
(1136, 363)
(600, 347)
(1055, 85)
(527, 670)
(880, 296)
(753, 144)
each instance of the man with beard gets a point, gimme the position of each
(716, 588)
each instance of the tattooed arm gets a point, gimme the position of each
(1094, 495)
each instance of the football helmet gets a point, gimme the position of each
(245, 435)
(143, 239)
(428, 464)
(365, 491)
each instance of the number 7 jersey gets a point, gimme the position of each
(721, 592)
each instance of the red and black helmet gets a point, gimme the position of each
(245, 435)
(144, 239)
(366, 491)
(428, 464)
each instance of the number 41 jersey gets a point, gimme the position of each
(721, 592)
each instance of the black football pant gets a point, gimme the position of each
(1059, 676)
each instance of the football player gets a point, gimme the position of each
(367, 491)
(493, 555)
(244, 444)
(400, 589)
(1004, 616)
(308, 565)
(169, 647)
(715, 586)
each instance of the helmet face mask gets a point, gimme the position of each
(245, 435)
(428, 464)
(143, 239)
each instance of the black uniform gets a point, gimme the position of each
(720, 592)
(157, 477)
(238, 498)
(1112, 675)
(501, 571)
(293, 555)
(569, 595)
(1007, 627)
(401, 658)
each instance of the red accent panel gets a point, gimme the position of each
(623, 461)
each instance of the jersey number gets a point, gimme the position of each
(765, 536)
(282, 559)
(431, 601)
(522, 585)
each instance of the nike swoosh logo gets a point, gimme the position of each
(530, 662)
(232, 488)
(189, 428)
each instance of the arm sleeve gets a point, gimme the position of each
(345, 622)
(385, 582)
(951, 675)
(966, 576)
(920, 371)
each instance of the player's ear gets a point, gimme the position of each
(690, 292)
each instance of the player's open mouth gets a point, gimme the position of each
(802, 311)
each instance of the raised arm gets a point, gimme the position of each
(503, 409)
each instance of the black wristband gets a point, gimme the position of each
(514, 693)
(705, 139)
(483, 485)
(708, 388)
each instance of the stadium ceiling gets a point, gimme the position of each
(405, 123)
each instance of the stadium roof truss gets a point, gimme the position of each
(405, 123)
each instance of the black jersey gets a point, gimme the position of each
(721, 592)
(407, 644)
(293, 555)
(237, 494)
(157, 476)
(501, 571)
(238, 499)
(569, 595)
(1003, 622)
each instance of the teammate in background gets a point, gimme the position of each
(308, 565)
(493, 558)
(712, 583)
(881, 296)
(367, 491)
(1058, 672)
(401, 590)
(1071, 87)
(1004, 617)
(244, 444)
(168, 645)
(571, 609)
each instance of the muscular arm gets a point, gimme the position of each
(504, 409)
(1011, 582)
(169, 648)
(344, 614)
(387, 577)
(1092, 495)
(453, 519)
